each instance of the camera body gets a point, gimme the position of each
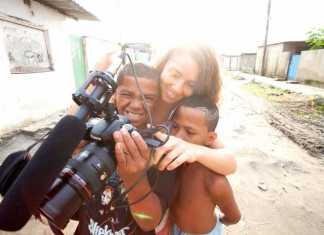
(86, 174)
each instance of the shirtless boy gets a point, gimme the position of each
(200, 190)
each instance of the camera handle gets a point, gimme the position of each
(103, 86)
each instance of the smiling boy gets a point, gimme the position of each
(128, 99)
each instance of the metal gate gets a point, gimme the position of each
(293, 66)
(78, 60)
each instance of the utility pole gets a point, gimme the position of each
(265, 39)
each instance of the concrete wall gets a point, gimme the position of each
(27, 97)
(311, 66)
(271, 61)
(258, 61)
(278, 58)
(247, 62)
(283, 65)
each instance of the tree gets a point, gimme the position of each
(316, 38)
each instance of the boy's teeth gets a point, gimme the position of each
(134, 113)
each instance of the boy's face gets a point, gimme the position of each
(129, 102)
(190, 125)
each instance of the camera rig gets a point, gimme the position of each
(86, 174)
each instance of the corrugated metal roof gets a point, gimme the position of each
(69, 8)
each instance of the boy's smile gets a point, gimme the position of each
(129, 101)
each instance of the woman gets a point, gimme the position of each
(185, 71)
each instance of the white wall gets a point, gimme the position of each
(27, 97)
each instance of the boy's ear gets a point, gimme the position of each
(113, 99)
(212, 136)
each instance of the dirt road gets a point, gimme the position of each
(279, 187)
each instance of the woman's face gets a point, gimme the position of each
(179, 77)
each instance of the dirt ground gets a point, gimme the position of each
(299, 117)
(278, 185)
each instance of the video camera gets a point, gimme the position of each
(86, 174)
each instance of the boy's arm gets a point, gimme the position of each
(222, 195)
(131, 163)
(148, 212)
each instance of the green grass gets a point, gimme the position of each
(268, 92)
(307, 108)
(319, 105)
(314, 83)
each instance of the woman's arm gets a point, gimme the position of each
(176, 151)
(221, 160)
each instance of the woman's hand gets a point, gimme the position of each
(107, 60)
(131, 152)
(175, 152)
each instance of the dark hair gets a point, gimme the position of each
(206, 105)
(142, 70)
(209, 78)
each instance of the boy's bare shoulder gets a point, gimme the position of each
(217, 185)
(211, 179)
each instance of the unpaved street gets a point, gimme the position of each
(279, 187)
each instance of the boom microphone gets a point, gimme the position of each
(27, 192)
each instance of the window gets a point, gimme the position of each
(26, 45)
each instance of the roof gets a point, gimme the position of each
(284, 42)
(248, 53)
(69, 8)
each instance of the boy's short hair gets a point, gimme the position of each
(142, 70)
(207, 106)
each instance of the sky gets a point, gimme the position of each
(232, 26)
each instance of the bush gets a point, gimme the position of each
(316, 38)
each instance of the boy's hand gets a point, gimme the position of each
(175, 152)
(81, 145)
(132, 154)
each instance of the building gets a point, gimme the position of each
(247, 62)
(230, 62)
(278, 58)
(36, 69)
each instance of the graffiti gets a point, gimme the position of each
(26, 48)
